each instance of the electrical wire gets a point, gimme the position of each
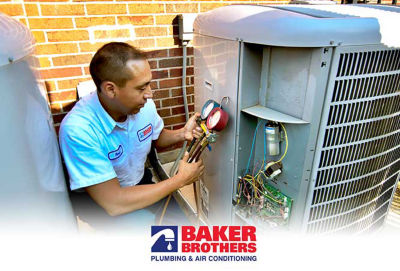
(252, 147)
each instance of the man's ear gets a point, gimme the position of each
(109, 89)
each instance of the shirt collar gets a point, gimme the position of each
(106, 120)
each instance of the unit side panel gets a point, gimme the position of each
(216, 76)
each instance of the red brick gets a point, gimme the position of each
(84, 22)
(170, 62)
(143, 43)
(56, 108)
(167, 19)
(112, 33)
(50, 23)
(61, 72)
(90, 0)
(23, 21)
(178, 72)
(156, 54)
(153, 64)
(154, 85)
(182, 8)
(86, 70)
(175, 52)
(46, 0)
(160, 74)
(167, 42)
(31, 10)
(151, 31)
(190, 90)
(12, 9)
(67, 35)
(176, 92)
(161, 94)
(209, 6)
(103, 9)
(72, 60)
(50, 85)
(39, 36)
(145, 8)
(61, 10)
(169, 83)
(181, 109)
(70, 83)
(62, 96)
(90, 47)
(164, 112)
(44, 62)
(174, 120)
(135, 20)
(172, 102)
(61, 48)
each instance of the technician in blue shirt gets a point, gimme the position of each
(106, 137)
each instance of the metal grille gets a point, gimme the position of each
(360, 152)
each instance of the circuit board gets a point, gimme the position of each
(272, 207)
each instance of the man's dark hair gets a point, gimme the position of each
(109, 63)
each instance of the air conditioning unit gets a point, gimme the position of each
(33, 192)
(313, 140)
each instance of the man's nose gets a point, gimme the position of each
(149, 93)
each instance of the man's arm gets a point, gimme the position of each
(117, 200)
(171, 137)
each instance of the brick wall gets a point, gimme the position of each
(68, 33)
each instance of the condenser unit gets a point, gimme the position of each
(313, 138)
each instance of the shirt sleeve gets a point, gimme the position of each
(158, 123)
(87, 164)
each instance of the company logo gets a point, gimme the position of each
(164, 238)
(116, 154)
(145, 132)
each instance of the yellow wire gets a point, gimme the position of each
(287, 143)
(264, 194)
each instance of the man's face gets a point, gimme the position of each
(136, 91)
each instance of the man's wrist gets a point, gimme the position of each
(182, 134)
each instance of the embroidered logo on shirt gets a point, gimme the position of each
(144, 133)
(112, 155)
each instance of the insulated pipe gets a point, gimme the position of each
(184, 44)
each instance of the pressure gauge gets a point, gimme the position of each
(207, 108)
(217, 119)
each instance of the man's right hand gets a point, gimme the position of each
(190, 172)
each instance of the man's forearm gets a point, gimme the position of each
(170, 137)
(117, 200)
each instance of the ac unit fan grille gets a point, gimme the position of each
(360, 157)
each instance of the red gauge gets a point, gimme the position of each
(217, 119)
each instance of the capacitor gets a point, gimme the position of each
(272, 138)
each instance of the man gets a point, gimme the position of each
(106, 137)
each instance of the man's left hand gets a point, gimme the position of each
(191, 129)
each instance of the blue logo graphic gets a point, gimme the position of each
(145, 132)
(116, 154)
(164, 238)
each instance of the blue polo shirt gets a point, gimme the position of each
(96, 148)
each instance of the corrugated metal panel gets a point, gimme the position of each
(359, 149)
